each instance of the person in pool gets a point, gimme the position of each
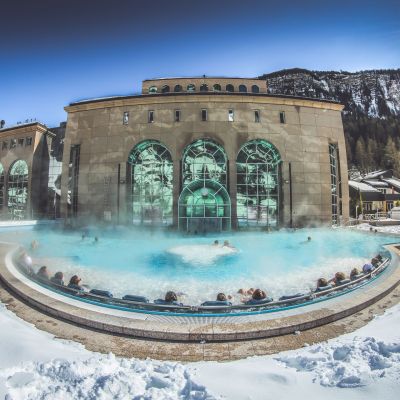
(216, 243)
(337, 279)
(58, 278)
(227, 244)
(75, 283)
(43, 273)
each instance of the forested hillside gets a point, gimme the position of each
(371, 115)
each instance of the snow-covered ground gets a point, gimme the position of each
(361, 365)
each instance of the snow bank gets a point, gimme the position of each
(103, 377)
(391, 229)
(345, 365)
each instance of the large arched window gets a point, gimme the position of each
(230, 88)
(217, 87)
(152, 89)
(17, 189)
(258, 184)
(255, 89)
(165, 89)
(178, 88)
(242, 89)
(204, 160)
(204, 87)
(151, 183)
(191, 87)
(1, 186)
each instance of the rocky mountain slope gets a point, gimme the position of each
(374, 93)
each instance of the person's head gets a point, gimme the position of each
(43, 271)
(309, 239)
(171, 297)
(321, 282)
(221, 297)
(259, 294)
(354, 272)
(75, 280)
(241, 291)
(226, 242)
(216, 242)
(59, 275)
(250, 291)
(379, 257)
(96, 239)
(340, 276)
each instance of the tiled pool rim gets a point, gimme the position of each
(185, 328)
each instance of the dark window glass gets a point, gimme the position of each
(282, 118)
(13, 143)
(177, 115)
(20, 142)
(5, 145)
(165, 89)
(204, 114)
(28, 141)
(204, 88)
(178, 88)
(230, 88)
(151, 117)
(242, 89)
(255, 89)
(257, 116)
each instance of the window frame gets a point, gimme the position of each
(177, 115)
(204, 114)
(231, 115)
(150, 116)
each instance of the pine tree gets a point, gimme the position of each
(390, 155)
(360, 154)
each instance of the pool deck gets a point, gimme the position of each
(195, 338)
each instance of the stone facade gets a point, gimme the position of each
(302, 141)
(30, 143)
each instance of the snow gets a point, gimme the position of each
(361, 365)
(363, 187)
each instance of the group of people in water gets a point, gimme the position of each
(340, 278)
(225, 244)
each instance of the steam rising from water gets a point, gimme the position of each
(149, 264)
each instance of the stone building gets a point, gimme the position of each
(30, 175)
(205, 154)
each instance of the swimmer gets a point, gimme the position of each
(227, 244)
(306, 241)
(96, 239)
(216, 243)
(34, 244)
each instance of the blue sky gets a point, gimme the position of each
(56, 52)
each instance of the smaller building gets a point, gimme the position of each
(30, 171)
(374, 192)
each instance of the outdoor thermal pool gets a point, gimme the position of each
(149, 264)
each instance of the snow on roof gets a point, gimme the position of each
(376, 182)
(374, 174)
(6, 127)
(98, 98)
(362, 187)
(393, 182)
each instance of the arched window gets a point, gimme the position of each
(151, 183)
(230, 88)
(255, 89)
(152, 89)
(204, 87)
(204, 160)
(165, 89)
(217, 87)
(258, 184)
(178, 88)
(1, 186)
(17, 189)
(242, 89)
(191, 87)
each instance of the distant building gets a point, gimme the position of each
(375, 191)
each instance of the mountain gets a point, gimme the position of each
(371, 114)
(374, 93)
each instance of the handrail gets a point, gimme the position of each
(199, 309)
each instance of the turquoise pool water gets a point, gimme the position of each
(145, 263)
